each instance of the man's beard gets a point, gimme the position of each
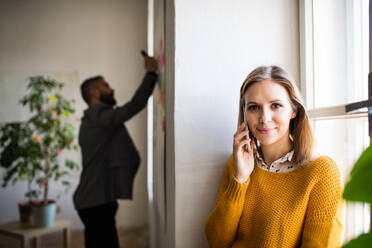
(108, 99)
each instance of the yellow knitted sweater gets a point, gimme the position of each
(301, 208)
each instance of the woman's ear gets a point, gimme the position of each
(294, 114)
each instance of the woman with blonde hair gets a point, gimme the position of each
(274, 191)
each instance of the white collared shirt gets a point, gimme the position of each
(281, 165)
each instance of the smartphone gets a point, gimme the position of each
(247, 129)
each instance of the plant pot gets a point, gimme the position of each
(25, 212)
(44, 214)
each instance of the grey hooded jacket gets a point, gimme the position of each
(110, 158)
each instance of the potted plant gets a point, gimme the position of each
(30, 150)
(359, 189)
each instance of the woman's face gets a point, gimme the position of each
(268, 112)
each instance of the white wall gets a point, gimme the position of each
(217, 43)
(84, 37)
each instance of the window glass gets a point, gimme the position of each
(340, 51)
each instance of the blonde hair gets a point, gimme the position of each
(299, 126)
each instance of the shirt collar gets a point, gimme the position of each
(282, 160)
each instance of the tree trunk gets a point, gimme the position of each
(46, 184)
(46, 189)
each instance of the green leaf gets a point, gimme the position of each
(32, 194)
(64, 173)
(55, 168)
(66, 183)
(22, 176)
(69, 164)
(9, 175)
(66, 113)
(363, 241)
(359, 187)
(40, 180)
(56, 176)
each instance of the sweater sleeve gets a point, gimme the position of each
(325, 212)
(222, 223)
(112, 118)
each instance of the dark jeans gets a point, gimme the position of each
(100, 226)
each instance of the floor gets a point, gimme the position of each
(129, 238)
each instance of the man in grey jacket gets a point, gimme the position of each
(110, 158)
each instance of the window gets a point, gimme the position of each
(334, 72)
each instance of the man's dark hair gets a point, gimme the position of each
(87, 85)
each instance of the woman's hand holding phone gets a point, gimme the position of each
(243, 159)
